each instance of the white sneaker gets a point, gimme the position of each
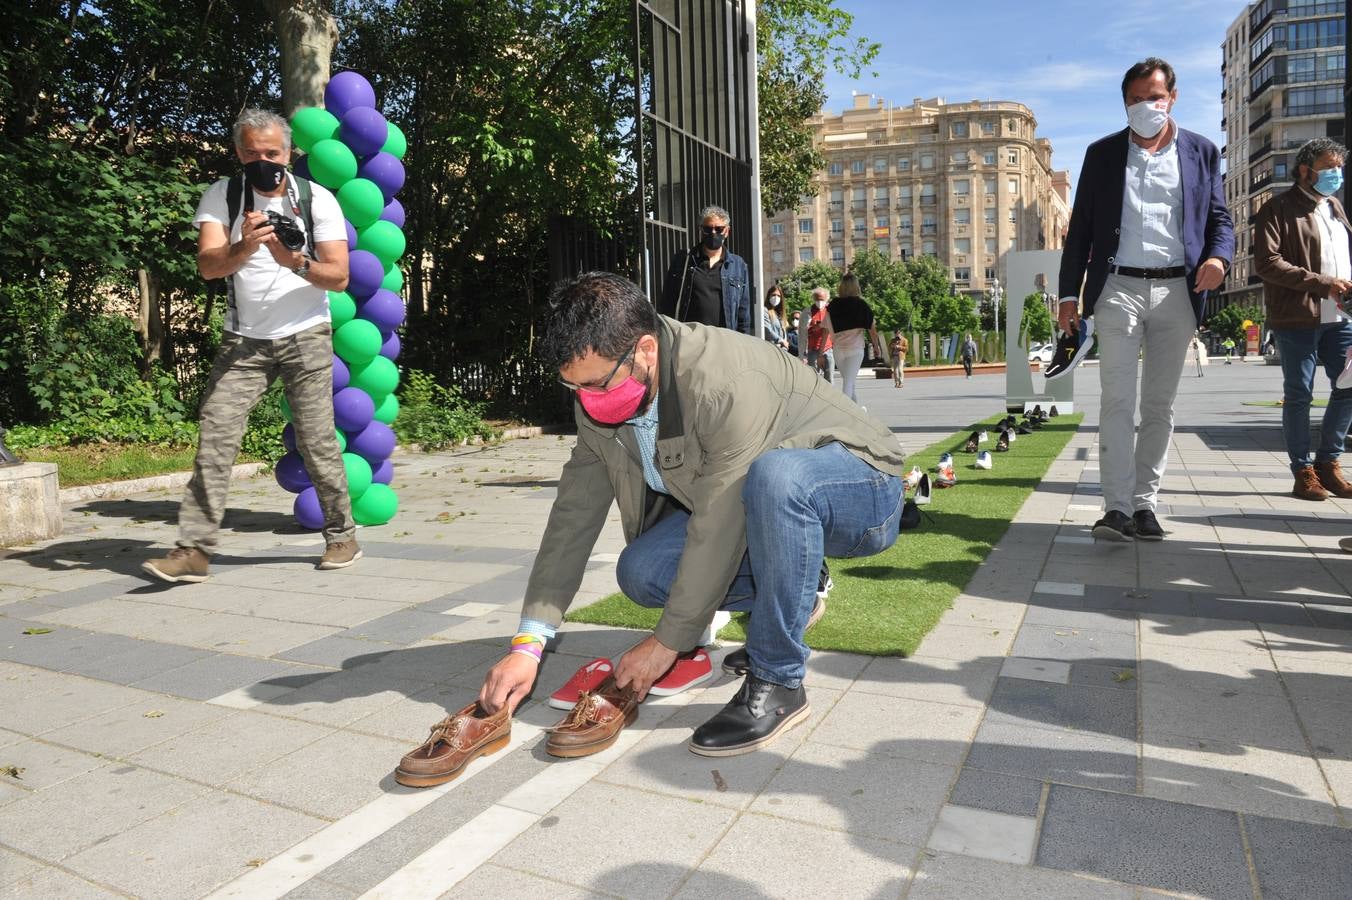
(721, 618)
(913, 477)
(1344, 380)
(947, 477)
(945, 459)
(983, 460)
(982, 436)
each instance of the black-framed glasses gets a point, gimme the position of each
(713, 229)
(599, 387)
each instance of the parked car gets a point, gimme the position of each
(1033, 349)
(1043, 354)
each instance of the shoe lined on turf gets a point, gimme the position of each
(1145, 527)
(690, 670)
(755, 716)
(1307, 486)
(1002, 442)
(1331, 478)
(824, 582)
(1024, 428)
(910, 516)
(946, 477)
(1037, 411)
(737, 663)
(983, 460)
(340, 555)
(923, 493)
(913, 477)
(982, 437)
(1071, 349)
(1114, 526)
(945, 459)
(587, 678)
(971, 445)
(183, 564)
(1052, 413)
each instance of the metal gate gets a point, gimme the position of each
(695, 109)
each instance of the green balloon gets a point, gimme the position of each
(312, 124)
(358, 342)
(342, 308)
(286, 409)
(384, 239)
(361, 201)
(358, 474)
(376, 506)
(395, 143)
(387, 410)
(394, 279)
(378, 378)
(332, 164)
(342, 439)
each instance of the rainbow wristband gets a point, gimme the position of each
(530, 644)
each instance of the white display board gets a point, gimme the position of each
(1026, 272)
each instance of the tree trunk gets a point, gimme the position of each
(306, 34)
(149, 326)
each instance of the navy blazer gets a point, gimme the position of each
(736, 280)
(1096, 219)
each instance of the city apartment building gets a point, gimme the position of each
(964, 182)
(1282, 71)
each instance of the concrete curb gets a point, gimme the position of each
(109, 489)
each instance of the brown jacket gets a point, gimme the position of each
(1286, 255)
(723, 400)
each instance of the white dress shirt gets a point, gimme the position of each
(1334, 257)
(1152, 208)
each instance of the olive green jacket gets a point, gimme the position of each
(723, 400)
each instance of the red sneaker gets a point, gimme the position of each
(587, 678)
(690, 669)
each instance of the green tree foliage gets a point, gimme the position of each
(929, 288)
(885, 284)
(1036, 322)
(799, 284)
(1229, 321)
(952, 314)
(797, 42)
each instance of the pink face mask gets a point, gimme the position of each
(615, 405)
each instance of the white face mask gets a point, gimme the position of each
(774, 301)
(821, 304)
(1148, 117)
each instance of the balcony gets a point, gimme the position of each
(1260, 181)
(927, 199)
(904, 203)
(929, 230)
(1260, 121)
(1260, 153)
(880, 205)
(836, 205)
(1313, 109)
(1276, 80)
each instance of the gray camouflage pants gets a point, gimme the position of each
(243, 370)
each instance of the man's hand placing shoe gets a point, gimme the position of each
(644, 663)
(508, 682)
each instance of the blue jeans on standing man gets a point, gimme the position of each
(801, 505)
(1301, 350)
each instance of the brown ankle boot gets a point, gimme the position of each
(1308, 486)
(1331, 478)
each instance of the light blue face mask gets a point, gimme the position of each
(1329, 181)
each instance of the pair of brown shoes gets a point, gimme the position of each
(1319, 481)
(455, 742)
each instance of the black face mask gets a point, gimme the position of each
(264, 175)
(713, 241)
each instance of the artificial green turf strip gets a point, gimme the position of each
(883, 605)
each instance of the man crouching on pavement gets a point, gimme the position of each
(736, 469)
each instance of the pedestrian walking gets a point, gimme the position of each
(896, 351)
(968, 354)
(819, 354)
(1228, 345)
(850, 325)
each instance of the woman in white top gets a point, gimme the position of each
(849, 319)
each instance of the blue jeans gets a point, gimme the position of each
(801, 505)
(1301, 350)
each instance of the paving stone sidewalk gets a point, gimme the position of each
(1087, 721)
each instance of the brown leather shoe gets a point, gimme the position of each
(595, 722)
(1331, 478)
(1308, 486)
(182, 564)
(340, 555)
(454, 743)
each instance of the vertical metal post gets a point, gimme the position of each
(753, 138)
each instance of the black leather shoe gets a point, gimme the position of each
(1145, 527)
(971, 444)
(910, 516)
(1114, 526)
(757, 715)
(737, 663)
(1025, 428)
(1002, 442)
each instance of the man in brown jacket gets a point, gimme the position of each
(1301, 250)
(735, 469)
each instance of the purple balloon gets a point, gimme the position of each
(385, 170)
(341, 374)
(363, 129)
(289, 437)
(351, 236)
(307, 509)
(394, 212)
(390, 349)
(384, 309)
(383, 473)
(290, 473)
(302, 168)
(352, 409)
(365, 271)
(346, 91)
(374, 443)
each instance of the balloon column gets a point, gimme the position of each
(352, 151)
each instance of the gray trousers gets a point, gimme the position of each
(1153, 322)
(243, 370)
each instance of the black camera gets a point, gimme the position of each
(287, 231)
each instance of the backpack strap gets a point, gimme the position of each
(306, 195)
(234, 196)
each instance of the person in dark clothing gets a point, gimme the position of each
(709, 283)
(968, 354)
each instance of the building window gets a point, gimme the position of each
(777, 256)
(961, 157)
(929, 248)
(905, 252)
(880, 165)
(959, 129)
(990, 273)
(806, 254)
(990, 247)
(837, 198)
(1013, 217)
(1013, 185)
(990, 217)
(903, 164)
(836, 168)
(962, 186)
(857, 167)
(858, 196)
(1013, 156)
(927, 160)
(988, 127)
(804, 226)
(1314, 101)
(1324, 33)
(838, 256)
(989, 184)
(904, 223)
(776, 228)
(963, 273)
(927, 224)
(988, 157)
(962, 216)
(1012, 126)
(881, 222)
(859, 225)
(880, 193)
(837, 226)
(962, 245)
(904, 195)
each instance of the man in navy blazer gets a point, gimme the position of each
(1149, 237)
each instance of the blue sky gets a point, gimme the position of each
(1062, 58)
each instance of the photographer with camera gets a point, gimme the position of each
(280, 243)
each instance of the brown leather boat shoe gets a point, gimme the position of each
(595, 721)
(454, 743)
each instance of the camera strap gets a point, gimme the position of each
(238, 198)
